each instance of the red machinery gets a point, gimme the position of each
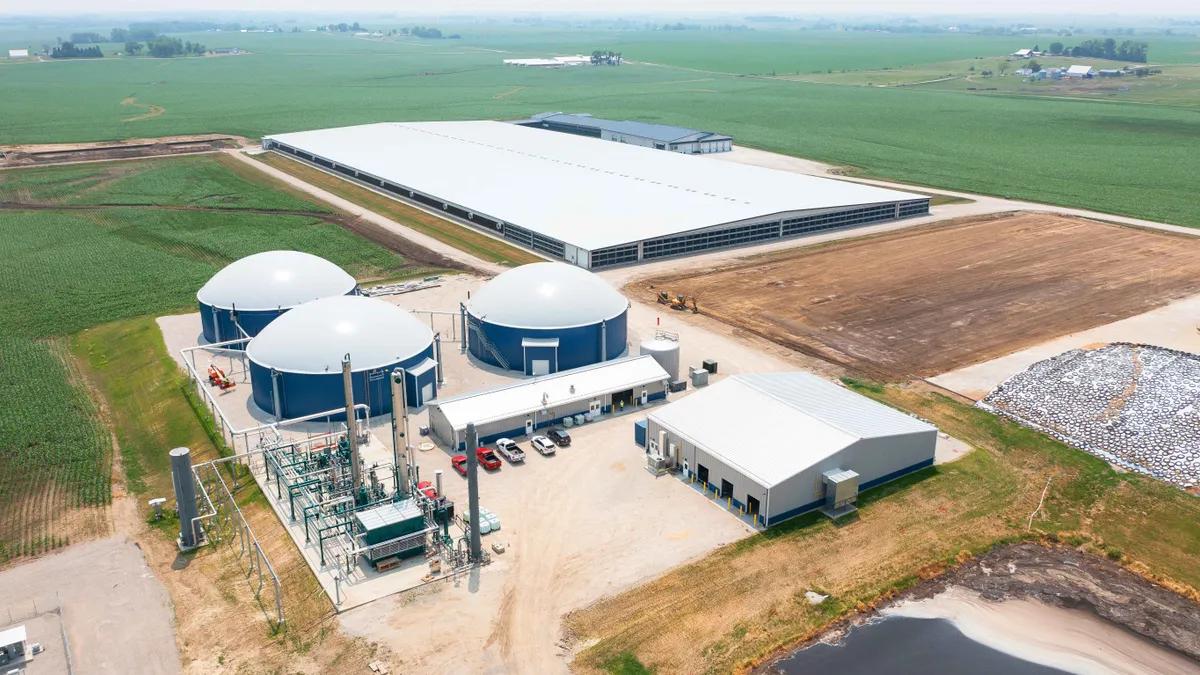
(218, 378)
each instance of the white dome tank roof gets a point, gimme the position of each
(273, 280)
(315, 336)
(546, 295)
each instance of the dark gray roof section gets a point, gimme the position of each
(658, 132)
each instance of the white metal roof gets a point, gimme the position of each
(12, 636)
(315, 336)
(582, 191)
(526, 396)
(546, 295)
(273, 280)
(18, 53)
(1079, 70)
(772, 427)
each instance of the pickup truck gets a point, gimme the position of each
(510, 451)
(487, 459)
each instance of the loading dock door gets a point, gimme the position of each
(726, 488)
(751, 504)
(620, 397)
(702, 473)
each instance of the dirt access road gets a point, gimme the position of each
(463, 258)
(929, 300)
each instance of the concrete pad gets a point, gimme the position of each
(114, 609)
(1173, 326)
(948, 449)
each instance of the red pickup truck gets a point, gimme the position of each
(487, 459)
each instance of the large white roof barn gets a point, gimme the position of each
(591, 203)
(769, 442)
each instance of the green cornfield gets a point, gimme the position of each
(64, 271)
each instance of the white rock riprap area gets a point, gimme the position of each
(1136, 406)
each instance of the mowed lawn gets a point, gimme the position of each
(1127, 158)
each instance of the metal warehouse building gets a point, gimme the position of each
(296, 362)
(524, 407)
(546, 317)
(591, 204)
(657, 136)
(252, 292)
(781, 444)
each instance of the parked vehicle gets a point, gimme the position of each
(561, 438)
(542, 444)
(459, 462)
(510, 450)
(426, 488)
(487, 459)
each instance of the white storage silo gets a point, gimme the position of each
(665, 351)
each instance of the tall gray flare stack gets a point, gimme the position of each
(351, 432)
(400, 432)
(462, 314)
(185, 497)
(473, 491)
(437, 354)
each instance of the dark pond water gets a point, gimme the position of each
(903, 646)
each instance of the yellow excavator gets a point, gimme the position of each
(679, 302)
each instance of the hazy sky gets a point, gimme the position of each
(683, 7)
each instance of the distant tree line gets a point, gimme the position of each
(166, 47)
(1104, 49)
(680, 26)
(131, 35)
(770, 18)
(605, 58)
(86, 38)
(67, 50)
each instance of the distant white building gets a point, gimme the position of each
(1023, 71)
(1023, 53)
(18, 53)
(1081, 71)
(552, 62)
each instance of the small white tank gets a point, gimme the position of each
(665, 351)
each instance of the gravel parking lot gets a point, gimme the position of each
(115, 611)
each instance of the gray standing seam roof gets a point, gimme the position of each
(850, 412)
(658, 132)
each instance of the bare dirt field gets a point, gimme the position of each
(138, 148)
(932, 299)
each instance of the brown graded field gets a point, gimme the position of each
(928, 300)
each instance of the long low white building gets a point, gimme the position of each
(523, 407)
(781, 444)
(592, 203)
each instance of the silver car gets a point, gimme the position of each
(543, 445)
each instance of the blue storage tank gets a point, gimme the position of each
(546, 317)
(257, 289)
(296, 361)
(639, 432)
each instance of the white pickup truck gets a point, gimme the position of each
(510, 450)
